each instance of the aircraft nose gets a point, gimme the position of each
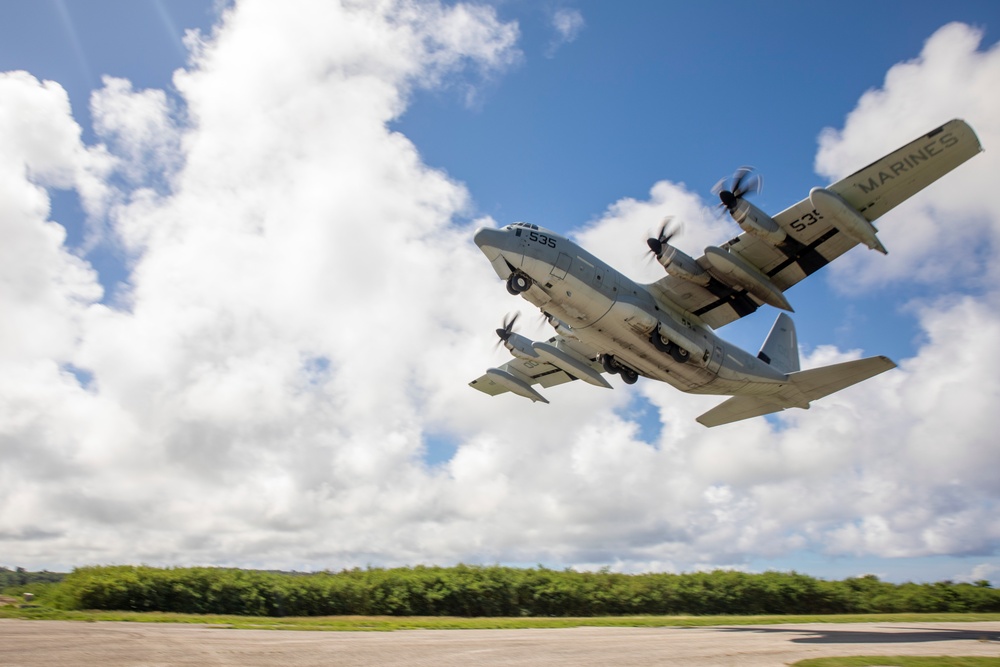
(487, 237)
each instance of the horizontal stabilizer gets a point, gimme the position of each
(739, 408)
(805, 386)
(819, 382)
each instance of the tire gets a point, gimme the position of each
(657, 340)
(610, 367)
(680, 355)
(519, 282)
(629, 376)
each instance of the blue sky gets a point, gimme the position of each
(271, 305)
(643, 92)
(653, 91)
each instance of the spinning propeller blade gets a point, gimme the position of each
(744, 181)
(656, 244)
(504, 332)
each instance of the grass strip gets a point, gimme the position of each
(390, 623)
(899, 661)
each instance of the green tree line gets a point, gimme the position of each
(20, 577)
(501, 591)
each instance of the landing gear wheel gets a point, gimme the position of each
(518, 283)
(610, 367)
(629, 376)
(678, 353)
(659, 342)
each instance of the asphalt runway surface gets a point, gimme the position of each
(112, 644)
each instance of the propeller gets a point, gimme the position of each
(667, 231)
(745, 181)
(508, 328)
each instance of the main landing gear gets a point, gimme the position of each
(679, 354)
(612, 366)
(517, 283)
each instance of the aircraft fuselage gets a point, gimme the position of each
(610, 313)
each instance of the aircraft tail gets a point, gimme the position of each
(781, 347)
(819, 382)
(803, 388)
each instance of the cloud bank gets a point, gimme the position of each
(305, 308)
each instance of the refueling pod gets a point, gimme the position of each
(734, 270)
(570, 363)
(845, 218)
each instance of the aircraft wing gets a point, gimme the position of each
(813, 241)
(519, 375)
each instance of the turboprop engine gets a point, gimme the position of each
(551, 352)
(753, 220)
(561, 327)
(518, 345)
(673, 260)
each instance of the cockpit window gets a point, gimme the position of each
(522, 224)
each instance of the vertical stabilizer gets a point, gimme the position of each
(781, 347)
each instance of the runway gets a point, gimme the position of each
(111, 644)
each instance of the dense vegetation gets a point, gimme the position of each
(19, 578)
(501, 591)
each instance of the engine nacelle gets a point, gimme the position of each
(561, 327)
(520, 347)
(755, 221)
(680, 264)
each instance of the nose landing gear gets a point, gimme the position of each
(518, 283)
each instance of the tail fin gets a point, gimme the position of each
(804, 387)
(781, 347)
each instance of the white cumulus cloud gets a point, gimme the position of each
(305, 308)
(567, 23)
(950, 231)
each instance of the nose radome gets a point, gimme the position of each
(486, 236)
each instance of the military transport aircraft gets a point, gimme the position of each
(606, 323)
